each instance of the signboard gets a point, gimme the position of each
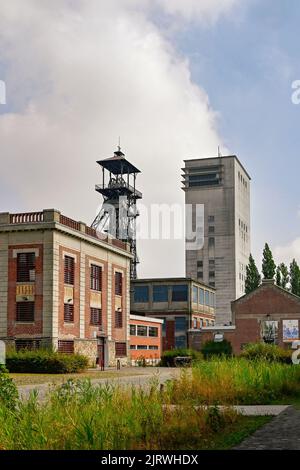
(290, 330)
(269, 331)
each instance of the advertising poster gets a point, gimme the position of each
(290, 330)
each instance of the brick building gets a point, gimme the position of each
(182, 303)
(269, 314)
(145, 339)
(61, 284)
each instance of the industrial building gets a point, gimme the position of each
(145, 340)
(63, 285)
(181, 303)
(268, 314)
(222, 186)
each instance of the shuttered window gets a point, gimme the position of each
(68, 313)
(96, 277)
(66, 347)
(69, 270)
(26, 267)
(96, 316)
(25, 312)
(118, 283)
(118, 319)
(121, 349)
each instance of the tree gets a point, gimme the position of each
(295, 277)
(278, 276)
(284, 275)
(252, 276)
(268, 264)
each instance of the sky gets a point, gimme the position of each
(174, 79)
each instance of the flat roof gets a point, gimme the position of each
(142, 318)
(172, 279)
(220, 158)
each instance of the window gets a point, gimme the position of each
(132, 330)
(142, 346)
(118, 319)
(201, 296)
(132, 346)
(25, 312)
(66, 347)
(211, 229)
(195, 323)
(28, 344)
(207, 298)
(211, 218)
(69, 270)
(211, 273)
(68, 313)
(179, 293)
(153, 331)
(160, 293)
(118, 283)
(141, 294)
(200, 274)
(141, 330)
(195, 294)
(211, 242)
(153, 347)
(96, 277)
(26, 267)
(96, 316)
(212, 284)
(211, 262)
(200, 264)
(121, 349)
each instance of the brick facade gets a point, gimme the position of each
(52, 237)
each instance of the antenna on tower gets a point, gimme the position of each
(119, 144)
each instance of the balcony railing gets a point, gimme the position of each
(27, 218)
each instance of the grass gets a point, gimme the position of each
(235, 381)
(36, 379)
(77, 415)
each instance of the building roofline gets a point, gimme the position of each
(149, 319)
(220, 158)
(266, 284)
(172, 279)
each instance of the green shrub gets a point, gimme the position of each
(267, 352)
(210, 348)
(8, 390)
(168, 357)
(45, 362)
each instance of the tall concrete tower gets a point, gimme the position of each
(222, 185)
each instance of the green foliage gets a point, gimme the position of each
(45, 362)
(253, 278)
(236, 381)
(222, 348)
(295, 277)
(268, 264)
(267, 352)
(282, 276)
(168, 357)
(8, 390)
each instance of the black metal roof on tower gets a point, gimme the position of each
(118, 164)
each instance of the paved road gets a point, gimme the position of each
(142, 379)
(282, 433)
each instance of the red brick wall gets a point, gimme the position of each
(69, 328)
(90, 329)
(19, 329)
(119, 334)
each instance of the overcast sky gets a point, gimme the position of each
(174, 79)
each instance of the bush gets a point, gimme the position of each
(168, 357)
(45, 362)
(267, 352)
(210, 348)
(8, 390)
